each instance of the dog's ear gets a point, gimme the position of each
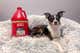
(60, 14)
(47, 15)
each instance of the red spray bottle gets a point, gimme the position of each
(19, 23)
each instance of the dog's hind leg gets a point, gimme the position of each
(59, 46)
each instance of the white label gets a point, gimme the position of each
(20, 31)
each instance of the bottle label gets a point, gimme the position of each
(19, 21)
(20, 31)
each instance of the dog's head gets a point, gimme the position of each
(54, 19)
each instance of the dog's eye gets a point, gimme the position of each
(51, 19)
(58, 19)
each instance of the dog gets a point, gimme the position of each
(54, 27)
(52, 30)
(54, 24)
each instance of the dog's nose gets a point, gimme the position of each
(55, 23)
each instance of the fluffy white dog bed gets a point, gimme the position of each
(70, 41)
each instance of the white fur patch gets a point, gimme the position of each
(55, 30)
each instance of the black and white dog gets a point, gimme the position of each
(52, 30)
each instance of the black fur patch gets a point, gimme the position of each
(41, 30)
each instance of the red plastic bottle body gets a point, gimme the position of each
(19, 23)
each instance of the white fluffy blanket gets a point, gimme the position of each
(70, 42)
